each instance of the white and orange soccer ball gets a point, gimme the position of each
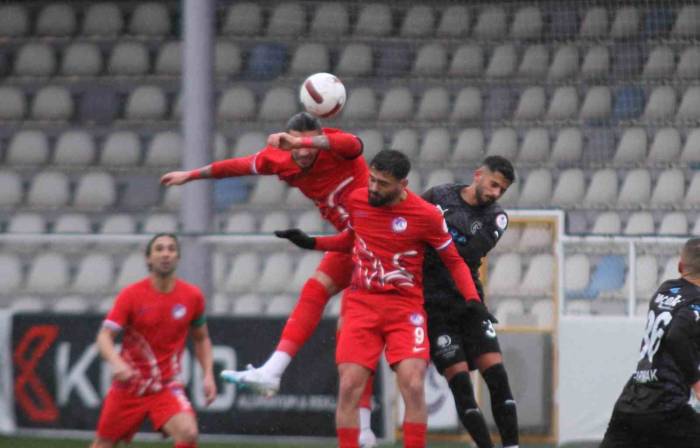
(322, 95)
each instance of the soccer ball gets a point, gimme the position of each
(322, 95)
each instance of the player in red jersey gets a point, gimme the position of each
(383, 307)
(155, 314)
(326, 165)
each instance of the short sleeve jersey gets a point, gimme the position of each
(155, 326)
(390, 243)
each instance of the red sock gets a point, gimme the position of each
(305, 317)
(366, 398)
(186, 445)
(348, 437)
(414, 435)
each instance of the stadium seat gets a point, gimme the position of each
(406, 141)
(128, 58)
(241, 222)
(47, 274)
(28, 147)
(563, 23)
(244, 272)
(647, 272)
(431, 60)
(691, 148)
(499, 104)
(35, 59)
(632, 147)
(670, 269)
(374, 20)
(596, 63)
(439, 177)
(330, 19)
(249, 143)
(13, 105)
(692, 196)
(48, 189)
(454, 22)
(675, 223)
(95, 190)
(132, 269)
(577, 274)
(660, 63)
(10, 189)
(56, 20)
(568, 146)
(666, 146)
(99, 106)
(626, 23)
(509, 311)
(535, 146)
(169, 59)
(26, 222)
(527, 23)
(71, 305)
(669, 189)
(602, 189)
(267, 190)
(237, 103)
(570, 189)
(418, 22)
(304, 270)
(608, 276)
(28, 305)
(502, 62)
(597, 105)
(539, 276)
(467, 105)
(607, 223)
(503, 142)
(146, 103)
(247, 305)
(564, 104)
(95, 275)
(689, 63)
(267, 61)
(276, 220)
(52, 103)
(160, 222)
(165, 149)
(636, 189)
(640, 223)
(469, 146)
(658, 22)
(218, 267)
(491, 23)
(287, 20)
(661, 104)
(504, 276)
(228, 60)
(628, 104)
(243, 18)
(10, 273)
(394, 60)
(535, 238)
(355, 60)
(435, 146)
(310, 221)
(696, 228)
(74, 148)
(150, 19)
(276, 273)
(119, 223)
(397, 105)
(510, 197)
(296, 199)
(121, 148)
(626, 61)
(434, 105)
(14, 20)
(139, 191)
(279, 104)
(310, 58)
(531, 105)
(537, 189)
(372, 142)
(543, 310)
(103, 19)
(690, 105)
(535, 62)
(81, 59)
(467, 61)
(280, 306)
(565, 63)
(687, 21)
(72, 223)
(172, 199)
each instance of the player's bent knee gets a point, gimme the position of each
(187, 434)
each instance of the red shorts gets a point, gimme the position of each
(370, 323)
(123, 413)
(338, 266)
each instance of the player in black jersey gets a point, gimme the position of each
(653, 409)
(460, 341)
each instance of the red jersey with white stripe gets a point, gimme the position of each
(335, 173)
(155, 326)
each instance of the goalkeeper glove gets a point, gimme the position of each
(298, 237)
(477, 309)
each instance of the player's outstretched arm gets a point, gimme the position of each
(203, 353)
(340, 242)
(181, 177)
(121, 370)
(344, 144)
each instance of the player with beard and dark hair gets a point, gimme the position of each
(653, 409)
(462, 342)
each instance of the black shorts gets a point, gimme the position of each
(677, 429)
(454, 340)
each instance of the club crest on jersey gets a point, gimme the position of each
(444, 341)
(416, 319)
(399, 224)
(502, 221)
(179, 311)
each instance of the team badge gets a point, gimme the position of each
(399, 224)
(179, 311)
(502, 221)
(444, 341)
(416, 319)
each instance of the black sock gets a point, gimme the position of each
(468, 410)
(502, 404)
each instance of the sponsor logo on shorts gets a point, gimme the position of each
(179, 311)
(444, 341)
(399, 224)
(416, 319)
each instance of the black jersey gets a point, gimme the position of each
(475, 231)
(669, 360)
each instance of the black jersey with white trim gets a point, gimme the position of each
(475, 231)
(669, 358)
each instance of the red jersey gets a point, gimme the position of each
(389, 245)
(335, 173)
(155, 327)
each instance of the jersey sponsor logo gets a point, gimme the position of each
(475, 227)
(179, 311)
(399, 224)
(674, 290)
(416, 319)
(444, 341)
(667, 302)
(502, 221)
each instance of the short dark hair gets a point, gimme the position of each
(393, 162)
(303, 122)
(691, 257)
(499, 164)
(149, 246)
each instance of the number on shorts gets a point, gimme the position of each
(419, 334)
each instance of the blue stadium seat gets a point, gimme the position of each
(499, 104)
(228, 192)
(394, 60)
(658, 22)
(629, 103)
(608, 276)
(267, 61)
(563, 23)
(626, 61)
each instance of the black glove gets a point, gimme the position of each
(474, 308)
(297, 237)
